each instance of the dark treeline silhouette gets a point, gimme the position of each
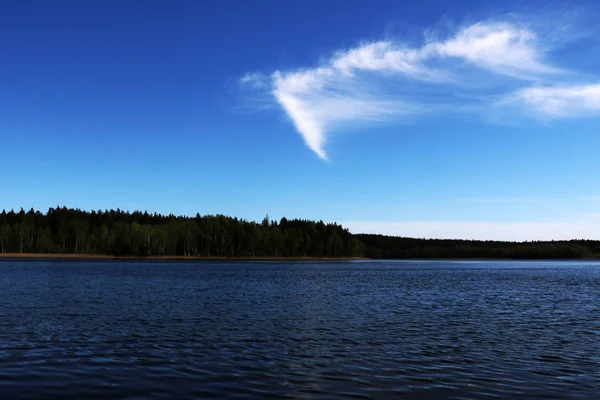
(119, 233)
(116, 232)
(389, 247)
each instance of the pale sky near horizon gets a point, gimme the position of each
(450, 119)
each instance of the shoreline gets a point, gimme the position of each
(58, 256)
(106, 257)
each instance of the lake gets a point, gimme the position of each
(301, 330)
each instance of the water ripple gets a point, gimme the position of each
(299, 331)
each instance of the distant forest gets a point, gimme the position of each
(139, 234)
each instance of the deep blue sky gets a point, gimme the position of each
(145, 105)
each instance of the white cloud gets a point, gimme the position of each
(388, 57)
(585, 227)
(561, 101)
(384, 81)
(319, 100)
(501, 48)
(254, 80)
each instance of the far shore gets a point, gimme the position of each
(167, 258)
(59, 256)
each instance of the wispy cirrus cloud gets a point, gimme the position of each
(386, 81)
(254, 80)
(561, 100)
(320, 100)
(501, 48)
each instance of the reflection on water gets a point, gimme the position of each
(113, 330)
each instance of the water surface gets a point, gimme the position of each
(158, 330)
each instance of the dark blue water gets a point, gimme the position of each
(138, 330)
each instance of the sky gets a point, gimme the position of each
(445, 119)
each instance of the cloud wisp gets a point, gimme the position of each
(561, 100)
(386, 81)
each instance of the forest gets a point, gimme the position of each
(121, 233)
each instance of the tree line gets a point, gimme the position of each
(64, 230)
(390, 247)
(116, 232)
